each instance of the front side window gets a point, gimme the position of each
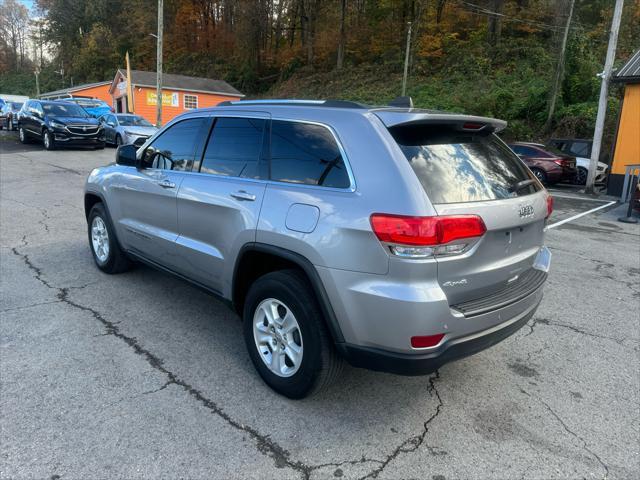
(307, 154)
(455, 166)
(177, 147)
(234, 147)
(190, 102)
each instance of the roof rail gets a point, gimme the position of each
(306, 103)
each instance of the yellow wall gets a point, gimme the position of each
(628, 141)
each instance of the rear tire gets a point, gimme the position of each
(103, 242)
(540, 175)
(318, 363)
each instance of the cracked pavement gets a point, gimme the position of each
(140, 375)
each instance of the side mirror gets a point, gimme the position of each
(126, 155)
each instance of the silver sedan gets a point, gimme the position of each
(125, 128)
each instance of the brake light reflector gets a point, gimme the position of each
(425, 341)
(426, 231)
(472, 126)
(549, 206)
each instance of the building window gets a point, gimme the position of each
(190, 102)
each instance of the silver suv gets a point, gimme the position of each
(396, 239)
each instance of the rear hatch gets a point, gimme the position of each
(465, 169)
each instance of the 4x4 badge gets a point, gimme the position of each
(526, 210)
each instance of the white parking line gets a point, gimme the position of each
(566, 220)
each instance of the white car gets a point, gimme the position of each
(582, 165)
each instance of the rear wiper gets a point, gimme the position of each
(516, 187)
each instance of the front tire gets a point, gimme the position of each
(118, 140)
(286, 336)
(104, 245)
(48, 140)
(23, 136)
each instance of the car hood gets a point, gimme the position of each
(74, 120)
(147, 131)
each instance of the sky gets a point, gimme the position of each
(27, 3)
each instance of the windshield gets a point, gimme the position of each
(455, 166)
(133, 121)
(63, 110)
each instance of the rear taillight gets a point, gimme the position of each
(426, 236)
(549, 206)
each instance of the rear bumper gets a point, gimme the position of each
(412, 364)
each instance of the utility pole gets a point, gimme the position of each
(406, 61)
(604, 93)
(559, 71)
(159, 67)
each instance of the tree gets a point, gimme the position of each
(14, 19)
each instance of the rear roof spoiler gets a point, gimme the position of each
(395, 118)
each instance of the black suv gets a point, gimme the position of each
(58, 123)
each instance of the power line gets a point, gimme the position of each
(480, 10)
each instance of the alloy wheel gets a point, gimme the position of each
(100, 239)
(581, 176)
(47, 140)
(278, 337)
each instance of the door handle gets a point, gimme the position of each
(167, 184)
(242, 195)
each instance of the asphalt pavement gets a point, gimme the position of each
(141, 375)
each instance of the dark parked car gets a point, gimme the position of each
(547, 164)
(9, 115)
(58, 123)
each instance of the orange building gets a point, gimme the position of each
(627, 143)
(179, 94)
(98, 90)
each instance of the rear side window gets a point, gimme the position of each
(455, 166)
(234, 147)
(176, 148)
(581, 149)
(306, 153)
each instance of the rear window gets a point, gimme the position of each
(455, 166)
